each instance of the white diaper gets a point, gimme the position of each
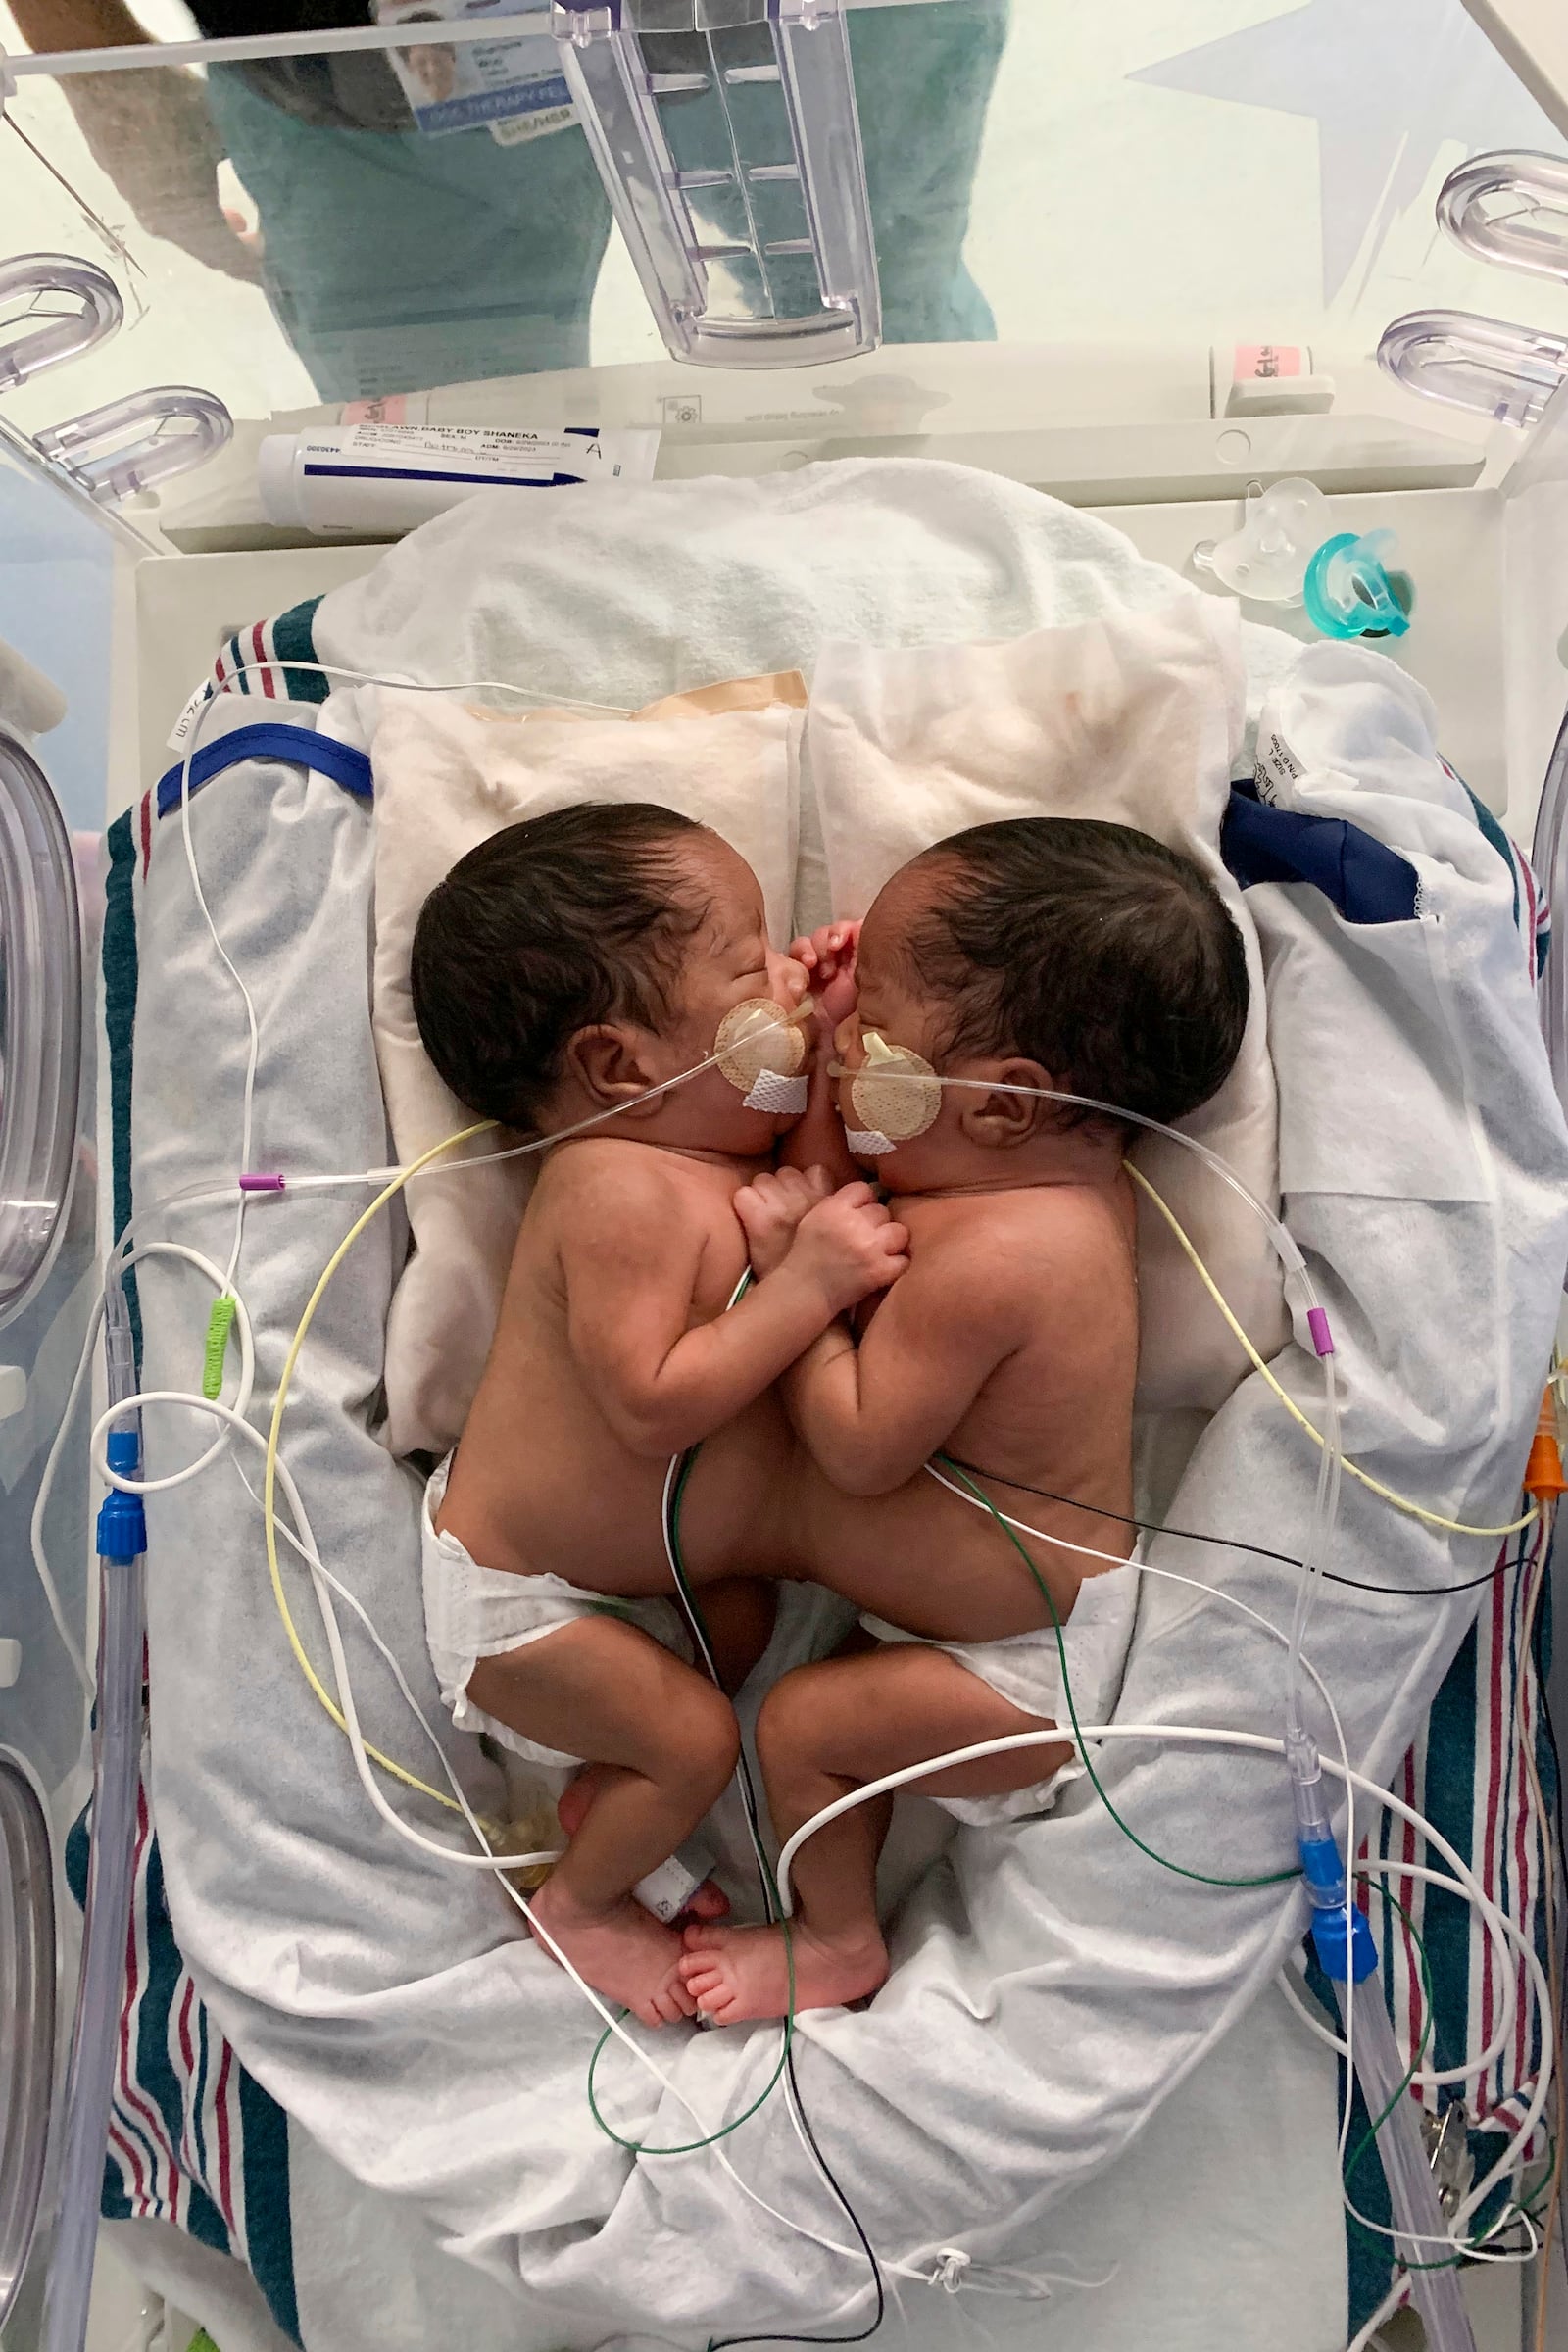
(1026, 1669)
(473, 1613)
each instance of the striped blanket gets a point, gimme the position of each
(196, 2141)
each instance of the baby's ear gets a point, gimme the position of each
(1001, 1119)
(608, 1064)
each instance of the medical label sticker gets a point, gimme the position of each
(480, 455)
(1278, 768)
(180, 732)
(513, 87)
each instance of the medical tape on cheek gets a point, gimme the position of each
(785, 1096)
(867, 1143)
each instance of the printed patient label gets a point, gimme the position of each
(1278, 769)
(180, 732)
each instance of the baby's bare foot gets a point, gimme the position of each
(737, 1972)
(623, 1952)
(705, 1901)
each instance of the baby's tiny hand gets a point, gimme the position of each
(849, 1244)
(772, 1205)
(828, 957)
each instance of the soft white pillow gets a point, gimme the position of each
(1135, 717)
(446, 778)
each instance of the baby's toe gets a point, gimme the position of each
(708, 1902)
(672, 2003)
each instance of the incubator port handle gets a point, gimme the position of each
(27, 1976)
(56, 337)
(1491, 366)
(127, 447)
(40, 1024)
(1511, 208)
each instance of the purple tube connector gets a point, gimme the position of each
(1317, 1323)
(257, 1182)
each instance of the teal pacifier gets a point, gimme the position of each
(1350, 591)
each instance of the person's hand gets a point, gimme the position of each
(772, 1205)
(850, 1246)
(153, 136)
(828, 957)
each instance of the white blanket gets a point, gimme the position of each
(1053, 1987)
(1136, 718)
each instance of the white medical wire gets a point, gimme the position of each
(324, 1584)
(1170, 1576)
(217, 687)
(1256, 1742)
(41, 1568)
(252, 1046)
(41, 1562)
(1367, 2338)
(1173, 1576)
(321, 1579)
(1391, 1866)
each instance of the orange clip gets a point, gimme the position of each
(1543, 1478)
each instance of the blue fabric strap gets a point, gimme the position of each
(1368, 882)
(301, 747)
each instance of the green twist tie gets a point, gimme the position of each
(220, 1323)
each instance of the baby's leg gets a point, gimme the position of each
(705, 1901)
(603, 1691)
(824, 1731)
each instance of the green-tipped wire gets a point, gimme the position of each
(770, 1893)
(1272, 1877)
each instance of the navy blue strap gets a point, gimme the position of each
(1368, 882)
(301, 747)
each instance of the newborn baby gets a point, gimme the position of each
(569, 966)
(1039, 953)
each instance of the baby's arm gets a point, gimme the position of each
(816, 1140)
(872, 1412)
(631, 1265)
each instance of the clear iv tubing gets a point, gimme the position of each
(1297, 1747)
(111, 1867)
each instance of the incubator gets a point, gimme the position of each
(1281, 307)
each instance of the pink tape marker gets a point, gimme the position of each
(255, 1183)
(1317, 1323)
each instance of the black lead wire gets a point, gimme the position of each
(728, 2343)
(1259, 1551)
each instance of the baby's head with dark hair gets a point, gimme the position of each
(548, 927)
(1087, 948)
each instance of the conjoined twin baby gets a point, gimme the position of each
(939, 1269)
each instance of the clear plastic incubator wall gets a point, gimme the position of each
(910, 414)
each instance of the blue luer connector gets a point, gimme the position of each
(1323, 1872)
(122, 1521)
(1334, 1931)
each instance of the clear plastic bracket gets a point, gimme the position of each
(619, 99)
